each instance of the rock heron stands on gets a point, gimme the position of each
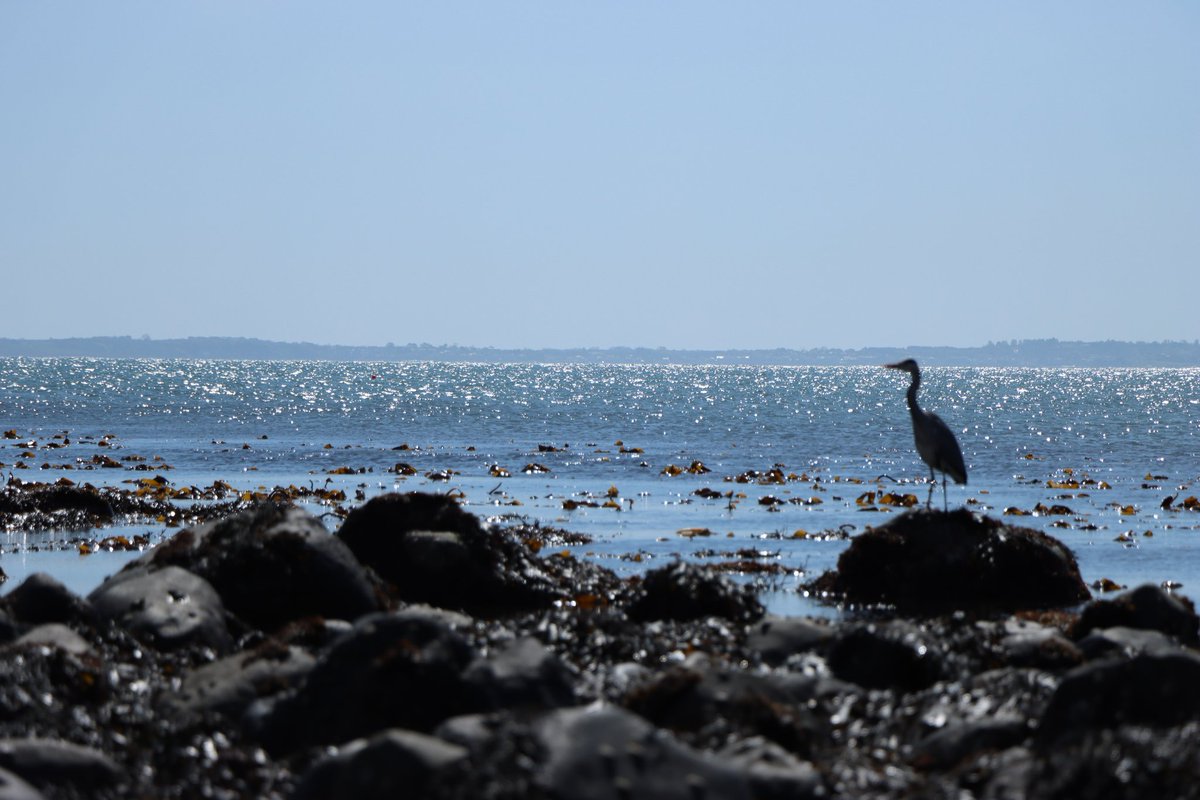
(935, 441)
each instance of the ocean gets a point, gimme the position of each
(786, 463)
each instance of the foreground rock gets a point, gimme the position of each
(934, 562)
(668, 685)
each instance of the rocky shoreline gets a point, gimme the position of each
(416, 652)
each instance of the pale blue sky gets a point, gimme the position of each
(678, 174)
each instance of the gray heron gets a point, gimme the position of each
(935, 441)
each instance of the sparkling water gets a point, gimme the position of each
(610, 437)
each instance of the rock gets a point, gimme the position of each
(523, 675)
(390, 671)
(228, 686)
(949, 745)
(13, 788)
(685, 591)
(273, 565)
(168, 608)
(50, 764)
(772, 771)
(37, 506)
(41, 598)
(1152, 689)
(431, 551)
(55, 635)
(934, 562)
(1027, 644)
(603, 753)
(395, 763)
(886, 655)
(778, 638)
(737, 703)
(1148, 607)
(1125, 641)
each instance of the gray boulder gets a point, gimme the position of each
(168, 608)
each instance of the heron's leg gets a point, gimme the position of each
(932, 486)
(945, 502)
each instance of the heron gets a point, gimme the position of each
(935, 441)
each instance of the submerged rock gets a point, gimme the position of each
(934, 562)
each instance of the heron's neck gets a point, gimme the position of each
(912, 392)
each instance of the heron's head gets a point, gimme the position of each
(907, 365)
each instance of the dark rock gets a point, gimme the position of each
(773, 772)
(1028, 644)
(775, 639)
(51, 764)
(395, 763)
(1148, 607)
(947, 746)
(1151, 689)
(522, 675)
(1103, 642)
(719, 701)
(934, 562)
(228, 686)
(13, 788)
(54, 635)
(273, 565)
(390, 671)
(431, 551)
(41, 598)
(38, 506)
(887, 655)
(604, 753)
(686, 591)
(9, 628)
(168, 608)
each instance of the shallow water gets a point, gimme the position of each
(844, 430)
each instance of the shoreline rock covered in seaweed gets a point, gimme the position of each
(421, 651)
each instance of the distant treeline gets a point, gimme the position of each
(1026, 353)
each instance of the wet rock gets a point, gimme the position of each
(934, 562)
(431, 551)
(55, 635)
(958, 741)
(13, 788)
(601, 752)
(1148, 607)
(686, 591)
(776, 639)
(38, 506)
(1151, 689)
(1125, 641)
(273, 565)
(524, 675)
(168, 608)
(887, 655)
(395, 763)
(723, 702)
(390, 671)
(41, 598)
(1027, 644)
(52, 765)
(228, 686)
(772, 771)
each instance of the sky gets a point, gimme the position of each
(687, 175)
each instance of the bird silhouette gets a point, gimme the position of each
(935, 441)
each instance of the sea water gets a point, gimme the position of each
(609, 437)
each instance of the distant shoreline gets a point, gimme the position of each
(1024, 353)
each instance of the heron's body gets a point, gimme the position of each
(935, 441)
